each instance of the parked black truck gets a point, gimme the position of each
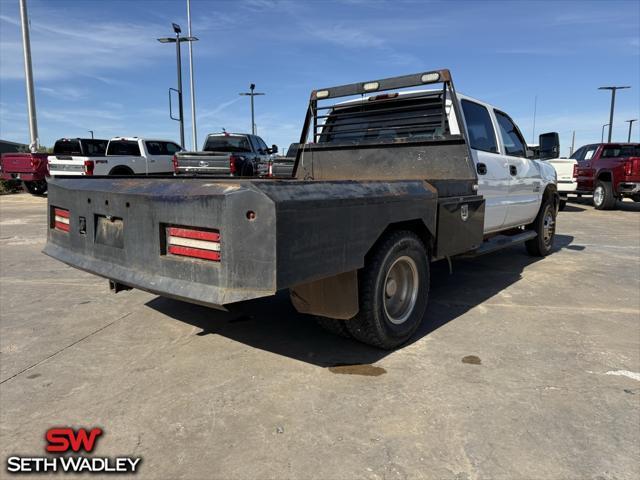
(382, 186)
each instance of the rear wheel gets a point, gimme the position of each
(393, 291)
(38, 187)
(335, 326)
(603, 198)
(545, 227)
(121, 170)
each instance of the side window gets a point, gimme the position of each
(123, 147)
(482, 136)
(171, 148)
(578, 154)
(513, 142)
(154, 148)
(255, 141)
(589, 152)
(262, 145)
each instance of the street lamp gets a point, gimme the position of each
(613, 103)
(177, 40)
(91, 132)
(252, 94)
(630, 122)
(602, 136)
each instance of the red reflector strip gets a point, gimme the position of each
(62, 226)
(195, 234)
(194, 252)
(61, 213)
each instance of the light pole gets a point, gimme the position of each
(252, 94)
(602, 136)
(613, 104)
(177, 40)
(192, 89)
(91, 132)
(630, 122)
(28, 77)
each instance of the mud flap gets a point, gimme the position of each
(333, 297)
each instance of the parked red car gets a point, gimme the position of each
(30, 168)
(609, 172)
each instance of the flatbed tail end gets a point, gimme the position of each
(269, 235)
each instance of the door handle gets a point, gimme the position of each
(481, 168)
(513, 170)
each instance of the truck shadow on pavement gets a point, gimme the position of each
(273, 325)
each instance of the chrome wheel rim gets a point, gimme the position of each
(400, 290)
(598, 195)
(548, 226)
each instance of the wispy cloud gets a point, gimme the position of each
(63, 46)
(65, 93)
(205, 113)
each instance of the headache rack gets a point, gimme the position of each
(389, 117)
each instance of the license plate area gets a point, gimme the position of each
(109, 231)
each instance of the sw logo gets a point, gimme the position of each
(65, 442)
(65, 439)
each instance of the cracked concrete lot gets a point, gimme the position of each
(523, 369)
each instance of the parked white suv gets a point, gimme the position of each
(125, 156)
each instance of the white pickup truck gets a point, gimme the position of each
(124, 156)
(383, 184)
(565, 167)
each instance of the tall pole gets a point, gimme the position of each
(192, 91)
(252, 93)
(613, 104)
(180, 108)
(573, 142)
(602, 135)
(630, 122)
(177, 40)
(253, 117)
(28, 76)
(91, 132)
(535, 108)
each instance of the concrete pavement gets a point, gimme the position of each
(524, 368)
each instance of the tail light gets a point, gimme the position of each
(88, 167)
(270, 169)
(35, 163)
(194, 243)
(575, 170)
(175, 163)
(60, 219)
(632, 166)
(232, 164)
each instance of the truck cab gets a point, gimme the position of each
(511, 183)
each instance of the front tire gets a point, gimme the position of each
(38, 187)
(393, 292)
(545, 227)
(603, 198)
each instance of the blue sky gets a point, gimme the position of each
(98, 66)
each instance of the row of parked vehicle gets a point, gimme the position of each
(607, 171)
(229, 154)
